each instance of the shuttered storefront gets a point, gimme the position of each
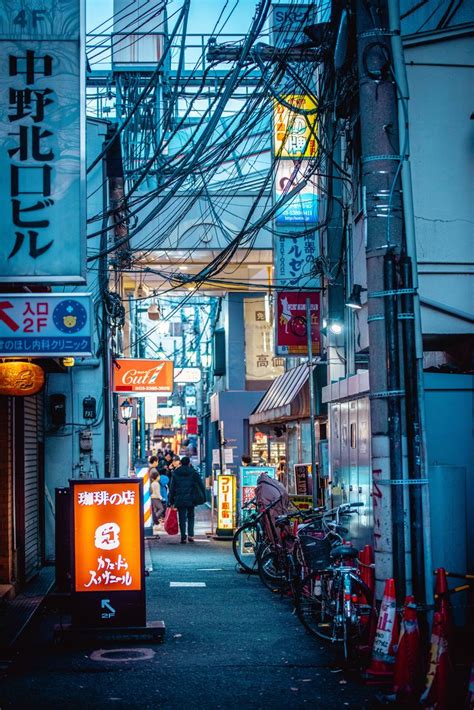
(33, 466)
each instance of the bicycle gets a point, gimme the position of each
(332, 601)
(249, 538)
(281, 562)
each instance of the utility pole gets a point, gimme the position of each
(384, 227)
(312, 404)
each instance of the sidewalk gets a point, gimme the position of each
(15, 614)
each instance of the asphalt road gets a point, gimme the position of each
(229, 644)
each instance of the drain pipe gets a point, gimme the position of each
(400, 75)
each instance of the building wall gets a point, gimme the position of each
(442, 158)
(6, 492)
(62, 451)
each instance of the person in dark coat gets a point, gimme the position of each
(185, 492)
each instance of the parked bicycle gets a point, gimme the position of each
(332, 601)
(252, 534)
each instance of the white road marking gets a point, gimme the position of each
(209, 569)
(187, 584)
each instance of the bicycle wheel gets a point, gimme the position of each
(245, 544)
(316, 604)
(271, 568)
(319, 606)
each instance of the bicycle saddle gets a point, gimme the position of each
(344, 551)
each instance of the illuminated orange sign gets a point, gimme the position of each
(107, 536)
(135, 375)
(225, 501)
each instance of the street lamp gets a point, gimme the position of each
(354, 301)
(126, 410)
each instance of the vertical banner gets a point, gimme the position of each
(108, 556)
(295, 127)
(226, 504)
(291, 328)
(42, 148)
(261, 365)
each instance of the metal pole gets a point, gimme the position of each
(383, 220)
(403, 96)
(312, 404)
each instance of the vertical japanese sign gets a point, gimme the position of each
(291, 328)
(42, 134)
(226, 500)
(108, 559)
(295, 128)
(261, 364)
(302, 209)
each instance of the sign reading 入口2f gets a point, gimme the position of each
(42, 131)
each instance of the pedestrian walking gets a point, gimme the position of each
(157, 506)
(186, 491)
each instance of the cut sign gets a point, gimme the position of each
(142, 376)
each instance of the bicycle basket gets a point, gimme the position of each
(315, 552)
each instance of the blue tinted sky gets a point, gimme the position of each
(203, 14)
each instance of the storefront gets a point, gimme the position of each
(280, 433)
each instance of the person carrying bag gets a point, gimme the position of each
(186, 491)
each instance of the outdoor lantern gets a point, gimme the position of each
(154, 312)
(126, 410)
(20, 379)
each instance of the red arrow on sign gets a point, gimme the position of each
(5, 317)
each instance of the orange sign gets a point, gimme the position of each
(107, 536)
(138, 376)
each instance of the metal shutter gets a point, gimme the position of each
(32, 435)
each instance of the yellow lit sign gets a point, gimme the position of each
(226, 489)
(294, 133)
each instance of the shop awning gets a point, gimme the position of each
(287, 398)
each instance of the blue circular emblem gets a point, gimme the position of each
(69, 316)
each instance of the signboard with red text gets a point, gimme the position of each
(108, 556)
(226, 503)
(139, 376)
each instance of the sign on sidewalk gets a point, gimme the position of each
(108, 555)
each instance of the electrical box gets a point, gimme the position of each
(57, 409)
(85, 441)
(89, 409)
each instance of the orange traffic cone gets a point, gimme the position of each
(386, 637)
(408, 679)
(435, 694)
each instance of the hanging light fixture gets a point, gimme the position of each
(154, 312)
(354, 301)
(126, 410)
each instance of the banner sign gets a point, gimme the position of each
(248, 476)
(302, 209)
(295, 134)
(108, 557)
(303, 479)
(42, 142)
(135, 376)
(226, 502)
(185, 375)
(294, 261)
(45, 325)
(291, 333)
(261, 364)
(288, 20)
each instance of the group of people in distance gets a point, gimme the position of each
(174, 482)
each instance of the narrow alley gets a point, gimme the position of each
(229, 643)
